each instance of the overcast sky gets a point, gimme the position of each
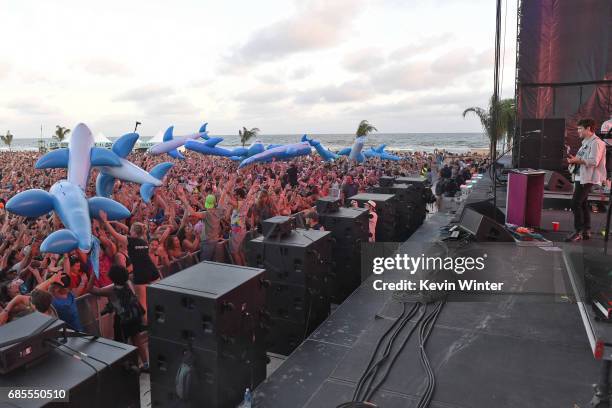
(316, 66)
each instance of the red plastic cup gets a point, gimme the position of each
(555, 226)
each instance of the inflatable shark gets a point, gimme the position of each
(171, 143)
(236, 154)
(115, 165)
(354, 152)
(325, 154)
(380, 152)
(127, 171)
(67, 197)
(278, 153)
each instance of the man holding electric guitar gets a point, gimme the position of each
(588, 167)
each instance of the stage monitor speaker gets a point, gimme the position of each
(483, 228)
(554, 181)
(486, 208)
(541, 145)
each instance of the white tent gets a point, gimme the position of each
(158, 138)
(100, 138)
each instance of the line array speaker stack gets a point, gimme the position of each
(386, 209)
(411, 207)
(298, 265)
(206, 338)
(349, 228)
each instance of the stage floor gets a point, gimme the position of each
(526, 348)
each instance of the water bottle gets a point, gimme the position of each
(248, 399)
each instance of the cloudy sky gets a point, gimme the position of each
(284, 66)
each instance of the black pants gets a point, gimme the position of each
(580, 206)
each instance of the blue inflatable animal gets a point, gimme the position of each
(116, 166)
(380, 152)
(171, 143)
(279, 153)
(354, 152)
(325, 154)
(67, 197)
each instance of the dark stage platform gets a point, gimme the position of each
(525, 347)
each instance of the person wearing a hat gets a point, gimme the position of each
(371, 206)
(211, 224)
(64, 300)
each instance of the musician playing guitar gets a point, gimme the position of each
(591, 162)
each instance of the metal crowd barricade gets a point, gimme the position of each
(90, 307)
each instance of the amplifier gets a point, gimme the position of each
(209, 305)
(279, 226)
(26, 339)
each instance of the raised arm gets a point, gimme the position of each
(119, 237)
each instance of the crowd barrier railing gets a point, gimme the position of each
(91, 308)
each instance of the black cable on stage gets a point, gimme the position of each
(371, 371)
(424, 333)
(77, 352)
(373, 390)
(57, 345)
(371, 375)
(375, 352)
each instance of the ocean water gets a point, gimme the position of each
(454, 142)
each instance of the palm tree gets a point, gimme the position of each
(246, 134)
(7, 139)
(505, 122)
(365, 128)
(61, 133)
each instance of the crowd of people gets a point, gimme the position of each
(205, 206)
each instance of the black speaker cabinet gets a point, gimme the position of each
(483, 228)
(277, 226)
(486, 208)
(417, 181)
(210, 305)
(554, 181)
(386, 209)
(386, 181)
(218, 380)
(106, 378)
(302, 258)
(541, 144)
(326, 205)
